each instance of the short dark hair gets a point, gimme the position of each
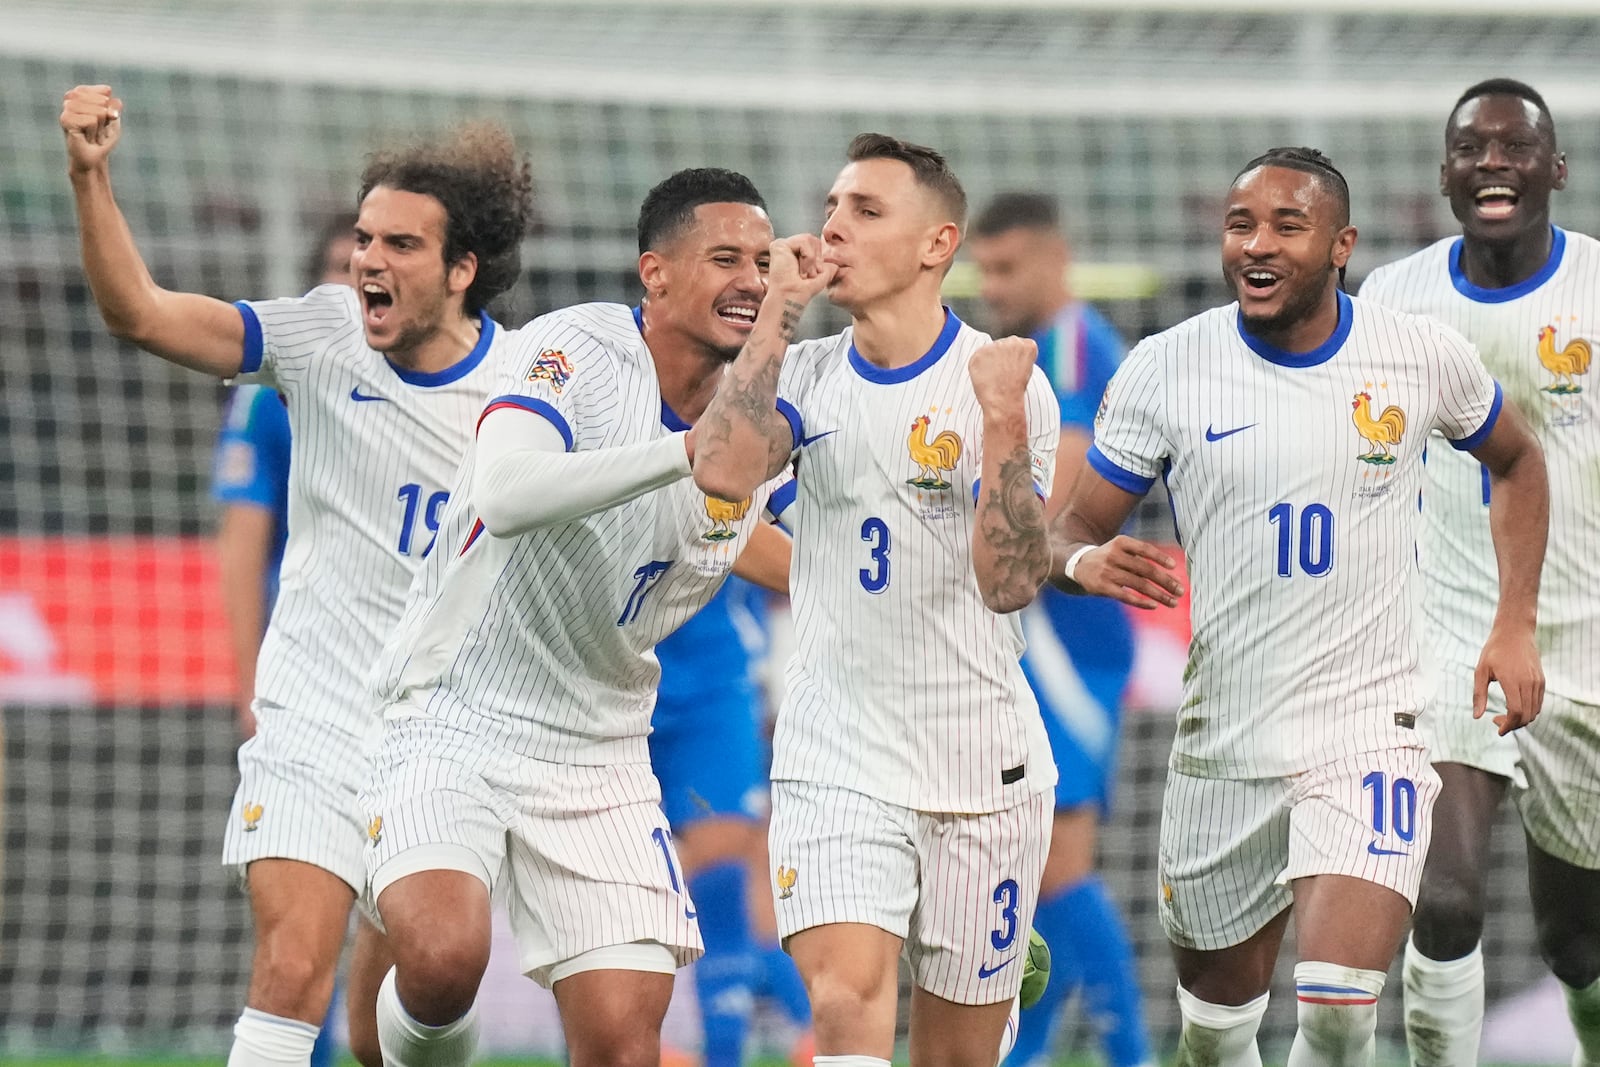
(1506, 87)
(336, 227)
(1309, 161)
(486, 188)
(668, 208)
(929, 167)
(1017, 211)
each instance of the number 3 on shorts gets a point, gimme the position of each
(1005, 895)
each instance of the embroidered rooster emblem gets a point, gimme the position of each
(932, 457)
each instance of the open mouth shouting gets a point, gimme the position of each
(1495, 202)
(1259, 282)
(376, 302)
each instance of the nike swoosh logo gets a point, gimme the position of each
(1372, 847)
(1213, 435)
(816, 437)
(357, 395)
(985, 971)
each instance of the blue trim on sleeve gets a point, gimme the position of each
(1321, 354)
(537, 407)
(457, 370)
(782, 497)
(1119, 476)
(797, 425)
(890, 376)
(1481, 434)
(1480, 295)
(254, 347)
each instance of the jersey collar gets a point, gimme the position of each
(874, 373)
(457, 370)
(1321, 354)
(1480, 295)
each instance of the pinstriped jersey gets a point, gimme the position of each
(903, 686)
(543, 642)
(1294, 482)
(375, 449)
(1537, 338)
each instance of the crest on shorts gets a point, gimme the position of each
(723, 515)
(375, 829)
(252, 816)
(551, 366)
(786, 879)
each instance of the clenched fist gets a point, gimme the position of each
(1000, 371)
(91, 118)
(797, 269)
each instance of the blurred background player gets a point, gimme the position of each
(251, 485)
(1297, 779)
(911, 770)
(519, 685)
(1528, 295)
(1080, 649)
(708, 750)
(383, 383)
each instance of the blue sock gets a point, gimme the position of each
(779, 980)
(323, 1053)
(1089, 951)
(724, 976)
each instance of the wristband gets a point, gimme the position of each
(1072, 561)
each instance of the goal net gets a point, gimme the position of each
(246, 123)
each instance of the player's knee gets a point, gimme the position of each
(437, 978)
(616, 1046)
(1448, 921)
(1337, 1010)
(846, 1002)
(292, 984)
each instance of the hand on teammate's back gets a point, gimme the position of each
(91, 118)
(1000, 371)
(1130, 570)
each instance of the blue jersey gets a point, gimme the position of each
(1080, 649)
(252, 466)
(715, 652)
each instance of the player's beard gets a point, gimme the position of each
(1296, 307)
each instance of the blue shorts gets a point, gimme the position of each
(1081, 703)
(709, 756)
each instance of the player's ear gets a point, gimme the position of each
(652, 272)
(942, 246)
(1344, 245)
(1560, 181)
(462, 273)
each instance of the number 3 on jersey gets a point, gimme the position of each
(875, 532)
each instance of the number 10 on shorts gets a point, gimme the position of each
(1394, 807)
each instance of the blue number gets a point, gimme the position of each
(411, 494)
(1005, 895)
(875, 532)
(430, 517)
(1483, 472)
(1402, 805)
(663, 838)
(1316, 538)
(646, 576)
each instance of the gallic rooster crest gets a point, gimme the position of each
(723, 515)
(932, 457)
(252, 816)
(786, 878)
(1380, 434)
(1565, 363)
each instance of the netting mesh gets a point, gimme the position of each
(247, 122)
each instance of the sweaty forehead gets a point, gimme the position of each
(1497, 110)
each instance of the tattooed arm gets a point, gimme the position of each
(1010, 552)
(742, 439)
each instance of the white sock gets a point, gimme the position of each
(262, 1040)
(1443, 1008)
(1583, 1008)
(1338, 1015)
(1008, 1037)
(1219, 1035)
(408, 1043)
(848, 1061)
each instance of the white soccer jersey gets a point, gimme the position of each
(543, 642)
(903, 686)
(375, 452)
(1537, 338)
(1294, 482)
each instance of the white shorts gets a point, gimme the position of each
(298, 779)
(1230, 848)
(959, 890)
(1560, 799)
(581, 856)
(1454, 736)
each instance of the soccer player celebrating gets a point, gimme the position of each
(1290, 427)
(1528, 295)
(518, 686)
(383, 383)
(911, 773)
(1080, 649)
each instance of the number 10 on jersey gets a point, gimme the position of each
(1313, 531)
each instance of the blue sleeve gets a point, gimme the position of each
(1102, 349)
(252, 461)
